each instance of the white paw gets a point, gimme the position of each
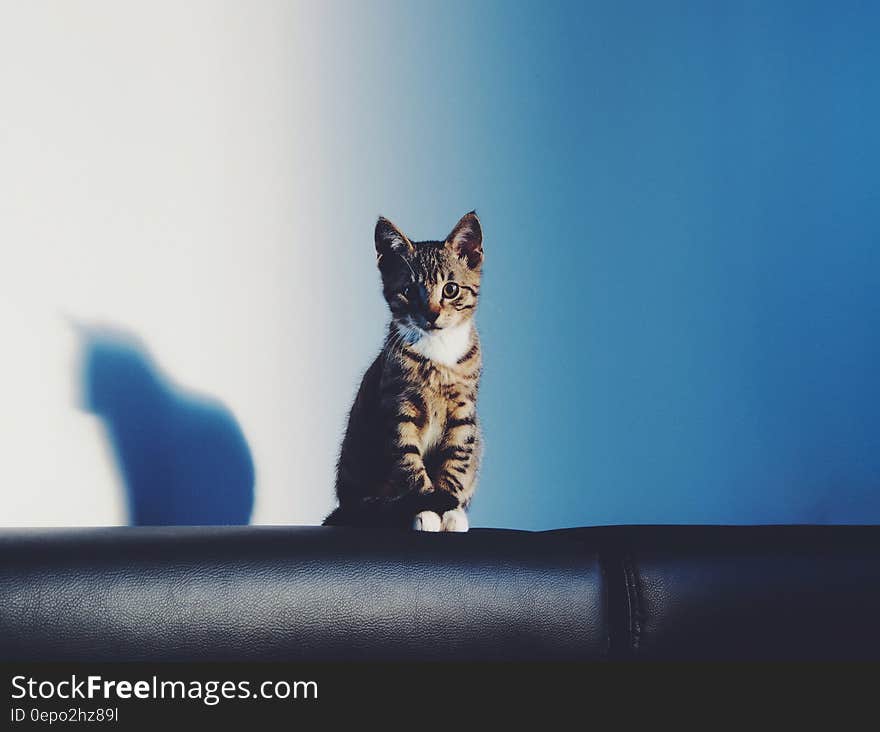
(454, 520)
(426, 521)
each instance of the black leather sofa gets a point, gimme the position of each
(317, 594)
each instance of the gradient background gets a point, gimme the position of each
(680, 204)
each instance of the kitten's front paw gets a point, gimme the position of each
(426, 521)
(454, 520)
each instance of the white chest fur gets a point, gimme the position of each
(445, 346)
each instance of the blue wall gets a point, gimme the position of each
(680, 200)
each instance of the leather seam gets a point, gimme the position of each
(634, 604)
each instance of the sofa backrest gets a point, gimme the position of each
(317, 594)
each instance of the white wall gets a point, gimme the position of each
(159, 173)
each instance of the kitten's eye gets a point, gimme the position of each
(409, 292)
(450, 290)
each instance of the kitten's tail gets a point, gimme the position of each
(392, 511)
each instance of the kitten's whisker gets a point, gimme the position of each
(409, 266)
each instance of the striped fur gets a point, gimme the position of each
(413, 441)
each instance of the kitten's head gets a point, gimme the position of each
(430, 285)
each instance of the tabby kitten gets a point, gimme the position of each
(412, 447)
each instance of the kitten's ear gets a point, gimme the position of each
(466, 239)
(389, 238)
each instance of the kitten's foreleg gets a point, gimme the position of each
(457, 476)
(410, 472)
(458, 454)
(409, 465)
(459, 458)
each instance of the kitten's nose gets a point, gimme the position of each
(432, 315)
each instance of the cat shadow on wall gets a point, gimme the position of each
(182, 456)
